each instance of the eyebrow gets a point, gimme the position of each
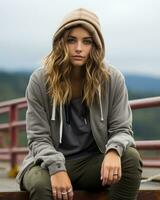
(89, 37)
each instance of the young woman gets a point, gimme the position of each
(79, 123)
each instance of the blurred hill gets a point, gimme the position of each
(13, 85)
(145, 121)
(143, 83)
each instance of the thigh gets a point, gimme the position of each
(85, 173)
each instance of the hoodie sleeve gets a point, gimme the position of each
(120, 118)
(38, 131)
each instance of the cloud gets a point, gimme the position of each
(131, 31)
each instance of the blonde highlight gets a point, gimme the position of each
(58, 70)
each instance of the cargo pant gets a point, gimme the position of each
(85, 175)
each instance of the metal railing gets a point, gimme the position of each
(13, 107)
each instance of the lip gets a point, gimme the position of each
(77, 57)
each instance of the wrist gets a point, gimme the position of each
(113, 151)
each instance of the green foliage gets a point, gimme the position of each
(145, 121)
(13, 85)
(146, 124)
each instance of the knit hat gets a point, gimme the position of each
(88, 20)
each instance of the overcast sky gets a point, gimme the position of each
(131, 31)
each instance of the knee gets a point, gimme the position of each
(37, 181)
(132, 161)
(40, 186)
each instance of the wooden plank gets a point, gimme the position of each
(81, 195)
(149, 195)
(84, 195)
(19, 195)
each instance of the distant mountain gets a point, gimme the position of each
(142, 83)
(13, 85)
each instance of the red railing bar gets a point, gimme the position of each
(22, 150)
(22, 105)
(4, 109)
(145, 103)
(151, 163)
(141, 145)
(148, 145)
(5, 157)
(13, 124)
(19, 150)
(4, 126)
(18, 124)
(135, 103)
(13, 102)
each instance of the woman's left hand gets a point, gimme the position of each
(111, 168)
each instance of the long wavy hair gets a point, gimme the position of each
(58, 72)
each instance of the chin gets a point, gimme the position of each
(78, 64)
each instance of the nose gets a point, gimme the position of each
(79, 47)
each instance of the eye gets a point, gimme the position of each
(71, 40)
(87, 41)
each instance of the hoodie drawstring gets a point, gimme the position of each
(61, 119)
(61, 124)
(100, 102)
(53, 111)
(61, 114)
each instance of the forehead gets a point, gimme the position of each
(79, 31)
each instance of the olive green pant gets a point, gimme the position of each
(85, 175)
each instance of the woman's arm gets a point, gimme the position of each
(120, 118)
(38, 130)
(120, 132)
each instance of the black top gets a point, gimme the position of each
(77, 139)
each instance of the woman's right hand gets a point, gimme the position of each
(61, 186)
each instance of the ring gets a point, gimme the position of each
(64, 193)
(70, 190)
(115, 174)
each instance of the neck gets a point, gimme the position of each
(77, 73)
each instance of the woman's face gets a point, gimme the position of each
(79, 43)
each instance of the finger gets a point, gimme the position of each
(70, 194)
(64, 195)
(119, 173)
(115, 176)
(59, 195)
(105, 176)
(102, 171)
(54, 194)
(110, 176)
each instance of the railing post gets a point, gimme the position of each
(13, 133)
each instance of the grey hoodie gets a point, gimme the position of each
(111, 122)
(110, 118)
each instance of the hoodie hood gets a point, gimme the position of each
(86, 19)
(90, 22)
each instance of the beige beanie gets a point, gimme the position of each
(88, 20)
